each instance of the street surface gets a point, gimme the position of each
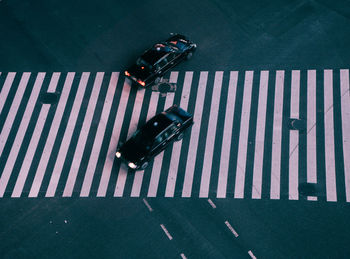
(263, 173)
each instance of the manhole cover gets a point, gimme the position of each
(164, 87)
(49, 98)
(308, 189)
(297, 124)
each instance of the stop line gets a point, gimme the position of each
(257, 134)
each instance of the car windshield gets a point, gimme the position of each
(177, 44)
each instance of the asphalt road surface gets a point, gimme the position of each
(263, 173)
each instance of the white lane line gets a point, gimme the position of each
(294, 138)
(243, 135)
(211, 203)
(6, 88)
(67, 137)
(84, 132)
(175, 154)
(166, 232)
(311, 198)
(277, 136)
(345, 112)
(158, 160)
(147, 205)
(138, 178)
(260, 135)
(45, 155)
(331, 188)
(227, 135)
(27, 161)
(107, 169)
(192, 151)
(20, 133)
(13, 110)
(251, 254)
(311, 128)
(123, 172)
(210, 141)
(95, 152)
(234, 232)
(183, 256)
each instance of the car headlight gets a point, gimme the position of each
(132, 165)
(118, 154)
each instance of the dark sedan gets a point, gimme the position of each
(155, 62)
(154, 137)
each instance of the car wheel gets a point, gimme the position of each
(144, 165)
(157, 80)
(179, 137)
(189, 55)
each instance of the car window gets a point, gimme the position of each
(171, 56)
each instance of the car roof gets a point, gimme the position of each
(156, 52)
(156, 125)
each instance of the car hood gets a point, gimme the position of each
(140, 72)
(133, 151)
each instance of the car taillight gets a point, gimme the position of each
(141, 82)
(127, 73)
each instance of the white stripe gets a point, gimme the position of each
(166, 232)
(277, 136)
(152, 108)
(102, 189)
(212, 204)
(158, 160)
(311, 127)
(175, 154)
(243, 135)
(84, 132)
(183, 256)
(192, 151)
(13, 110)
(6, 88)
(21, 133)
(147, 205)
(329, 136)
(45, 155)
(294, 138)
(345, 112)
(209, 144)
(234, 232)
(227, 135)
(67, 137)
(251, 254)
(123, 172)
(27, 161)
(95, 152)
(260, 135)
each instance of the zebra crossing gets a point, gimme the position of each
(244, 143)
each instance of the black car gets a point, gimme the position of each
(153, 137)
(153, 64)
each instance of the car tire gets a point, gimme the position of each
(189, 55)
(179, 137)
(144, 165)
(157, 80)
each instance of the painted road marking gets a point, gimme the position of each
(21, 133)
(101, 158)
(6, 89)
(67, 137)
(345, 112)
(294, 138)
(192, 152)
(243, 135)
(166, 232)
(277, 137)
(260, 135)
(210, 141)
(329, 136)
(234, 232)
(34, 191)
(27, 161)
